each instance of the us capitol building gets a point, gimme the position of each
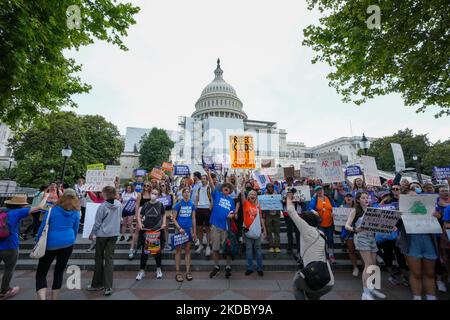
(218, 114)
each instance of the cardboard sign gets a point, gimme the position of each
(181, 170)
(304, 193)
(270, 202)
(308, 171)
(297, 175)
(242, 152)
(371, 171)
(398, 157)
(166, 201)
(261, 179)
(96, 180)
(380, 220)
(289, 172)
(352, 171)
(89, 218)
(330, 167)
(441, 173)
(167, 166)
(96, 166)
(340, 216)
(417, 213)
(267, 163)
(157, 174)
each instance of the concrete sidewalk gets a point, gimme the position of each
(273, 286)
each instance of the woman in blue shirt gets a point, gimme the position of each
(184, 221)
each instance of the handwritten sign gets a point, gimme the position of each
(157, 174)
(308, 171)
(96, 180)
(181, 170)
(340, 216)
(270, 202)
(417, 214)
(304, 193)
(242, 152)
(371, 171)
(330, 167)
(380, 220)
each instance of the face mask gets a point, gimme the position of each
(418, 190)
(153, 197)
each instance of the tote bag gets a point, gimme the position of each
(254, 232)
(40, 247)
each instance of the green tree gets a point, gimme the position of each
(155, 148)
(438, 156)
(411, 144)
(407, 55)
(35, 76)
(37, 150)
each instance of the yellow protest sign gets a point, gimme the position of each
(96, 166)
(242, 152)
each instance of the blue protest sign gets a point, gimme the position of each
(270, 202)
(166, 201)
(140, 172)
(441, 173)
(353, 171)
(179, 239)
(181, 170)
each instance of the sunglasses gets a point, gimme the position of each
(395, 189)
(147, 186)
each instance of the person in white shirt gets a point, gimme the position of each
(204, 205)
(80, 190)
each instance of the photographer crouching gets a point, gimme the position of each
(315, 277)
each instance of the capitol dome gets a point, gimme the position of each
(219, 99)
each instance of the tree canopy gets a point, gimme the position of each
(37, 150)
(155, 148)
(438, 156)
(35, 76)
(407, 54)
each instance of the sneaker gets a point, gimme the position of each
(92, 247)
(332, 259)
(277, 250)
(24, 236)
(260, 273)
(214, 272)
(167, 247)
(367, 296)
(122, 238)
(140, 275)
(377, 294)
(91, 288)
(197, 243)
(380, 260)
(208, 251)
(129, 238)
(271, 250)
(199, 249)
(159, 273)
(355, 272)
(441, 286)
(227, 272)
(131, 255)
(393, 280)
(10, 293)
(108, 292)
(248, 272)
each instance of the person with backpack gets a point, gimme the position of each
(323, 205)
(151, 224)
(203, 204)
(253, 231)
(184, 222)
(223, 210)
(128, 198)
(14, 211)
(314, 277)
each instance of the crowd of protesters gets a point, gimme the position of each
(219, 214)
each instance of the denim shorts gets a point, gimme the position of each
(365, 241)
(421, 246)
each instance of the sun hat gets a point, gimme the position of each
(19, 199)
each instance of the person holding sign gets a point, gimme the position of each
(348, 237)
(128, 199)
(184, 221)
(365, 243)
(272, 219)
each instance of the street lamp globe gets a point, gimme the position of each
(414, 157)
(364, 144)
(66, 152)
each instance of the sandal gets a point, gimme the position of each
(179, 277)
(189, 276)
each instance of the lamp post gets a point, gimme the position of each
(11, 160)
(364, 144)
(419, 174)
(66, 153)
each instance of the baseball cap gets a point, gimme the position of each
(318, 188)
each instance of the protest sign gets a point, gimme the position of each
(289, 172)
(181, 170)
(179, 239)
(417, 213)
(167, 166)
(340, 216)
(441, 173)
(196, 167)
(370, 171)
(140, 172)
(380, 220)
(166, 201)
(308, 171)
(242, 152)
(330, 167)
(270, 202)
(96, 180)
(352, 171)
(96, 166)
(297, 175)
(304, 192)
(261, 179)
(398, 157)
(157, 174)
(89, 218)
(267, 163)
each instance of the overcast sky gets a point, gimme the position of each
(173, 51)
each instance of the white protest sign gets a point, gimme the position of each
(398, 156)
(89, 218)
(304, 192)
(262, 180)
(308, 171)
(417, 213)
(340, 216)
(370, 171)
(380, 220)
(96, 180)
(330, 167)
(270, 202)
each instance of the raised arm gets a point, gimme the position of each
(348, 224)
(41, 204)
(210, 179)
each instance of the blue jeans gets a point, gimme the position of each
(249, 244)
(329, 233)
